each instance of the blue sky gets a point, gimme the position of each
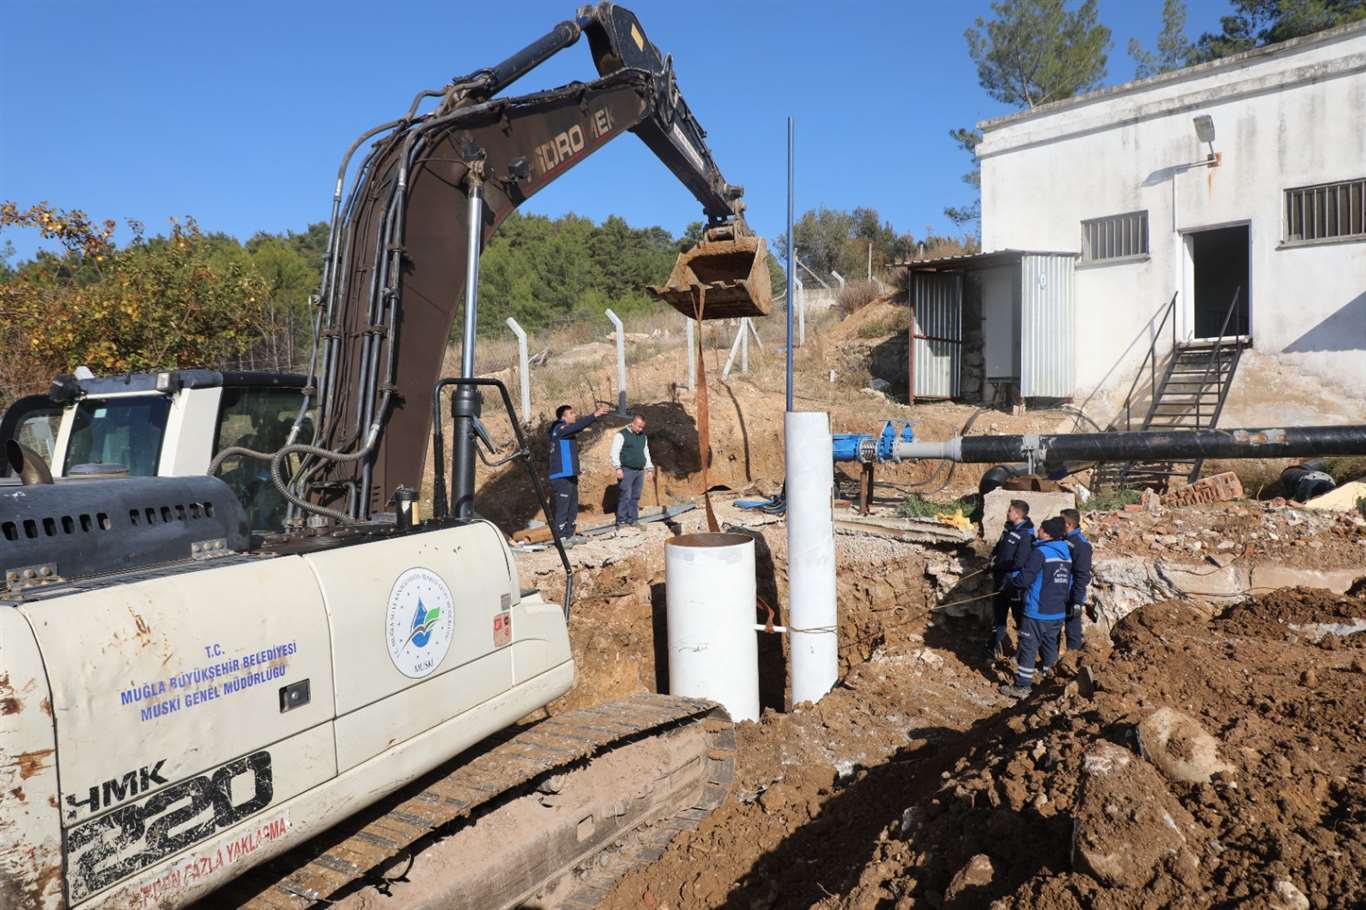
(236, 113)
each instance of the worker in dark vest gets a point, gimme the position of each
(1081, 577)
(1046, 582)
(631, 461)
(1007, 559)
(564, 466)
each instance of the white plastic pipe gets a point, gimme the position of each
(709, 601)
(621, 362)
(691, 357)
(812, 619)
(523, 369)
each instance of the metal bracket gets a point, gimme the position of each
(17, 579)
(209, 549)
(1031, 445)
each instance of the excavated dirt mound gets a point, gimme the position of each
(1283, 819)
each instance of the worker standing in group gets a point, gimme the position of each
(564, 466)
(1081, 577)
(1046, 583)
(1007, 559)
(631, 461)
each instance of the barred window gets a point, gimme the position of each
(1114, 237)
(1329, 211)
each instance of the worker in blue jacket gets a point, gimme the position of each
(564, 466)
(1046, 581)
(1007, 559)
(1081, 576)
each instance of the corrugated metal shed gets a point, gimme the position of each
(1041, 292)
(937, 335)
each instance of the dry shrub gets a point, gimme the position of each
(856, 295)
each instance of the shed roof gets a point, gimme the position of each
(969, 262)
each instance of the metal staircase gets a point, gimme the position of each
(1189, 396)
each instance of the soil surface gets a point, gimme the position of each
(912, 785)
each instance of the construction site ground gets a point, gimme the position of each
(915, 782)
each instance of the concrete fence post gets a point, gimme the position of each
(735, 349)
(523, 369)
(621, 362)
(744, 345)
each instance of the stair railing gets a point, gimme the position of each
(1215, 359)
(1150, 361)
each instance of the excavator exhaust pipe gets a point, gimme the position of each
(732, 269)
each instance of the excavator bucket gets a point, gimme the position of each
(732, 269)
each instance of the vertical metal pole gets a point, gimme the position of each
(791, 251)
(621, 361)
(523, 369)
(466, 401)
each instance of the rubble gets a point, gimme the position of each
(1224, 487)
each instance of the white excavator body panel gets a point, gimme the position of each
(204, 718)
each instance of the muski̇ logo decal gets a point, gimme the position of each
(419, 623)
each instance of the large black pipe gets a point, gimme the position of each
(1275, 442)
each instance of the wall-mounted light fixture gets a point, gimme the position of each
(1204, 131)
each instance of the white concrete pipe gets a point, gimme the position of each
(812, 618)
(710, 597)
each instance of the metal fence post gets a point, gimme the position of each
(621, 362)
(523, 369)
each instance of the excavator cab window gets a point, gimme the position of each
(257, 418)
(126, 431)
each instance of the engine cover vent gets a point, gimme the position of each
(79, 528)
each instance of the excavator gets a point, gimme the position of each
(296, 691)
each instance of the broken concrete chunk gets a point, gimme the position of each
(1127, 824)
(1216, 488)
(1180, 748)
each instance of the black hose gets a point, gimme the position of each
(1277, 442)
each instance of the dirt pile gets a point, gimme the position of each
(1245, 530)
(1058, 797)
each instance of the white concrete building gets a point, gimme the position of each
(1277, 214)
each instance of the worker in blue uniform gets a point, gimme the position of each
(1046, 581)
(1081, 577)
(1007, 559)
(564, 466)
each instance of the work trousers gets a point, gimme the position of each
(1038, 642)
(565, 492)
(1005, 603)
(628, 495)
(1074, 636)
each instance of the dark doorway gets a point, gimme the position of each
(1221, 270)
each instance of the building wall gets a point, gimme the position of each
(1283, 119)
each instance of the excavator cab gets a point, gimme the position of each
(731, 271)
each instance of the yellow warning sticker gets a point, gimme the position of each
(639, 38)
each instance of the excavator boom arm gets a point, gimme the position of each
(401, 243)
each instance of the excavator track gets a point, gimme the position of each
(546, 816)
